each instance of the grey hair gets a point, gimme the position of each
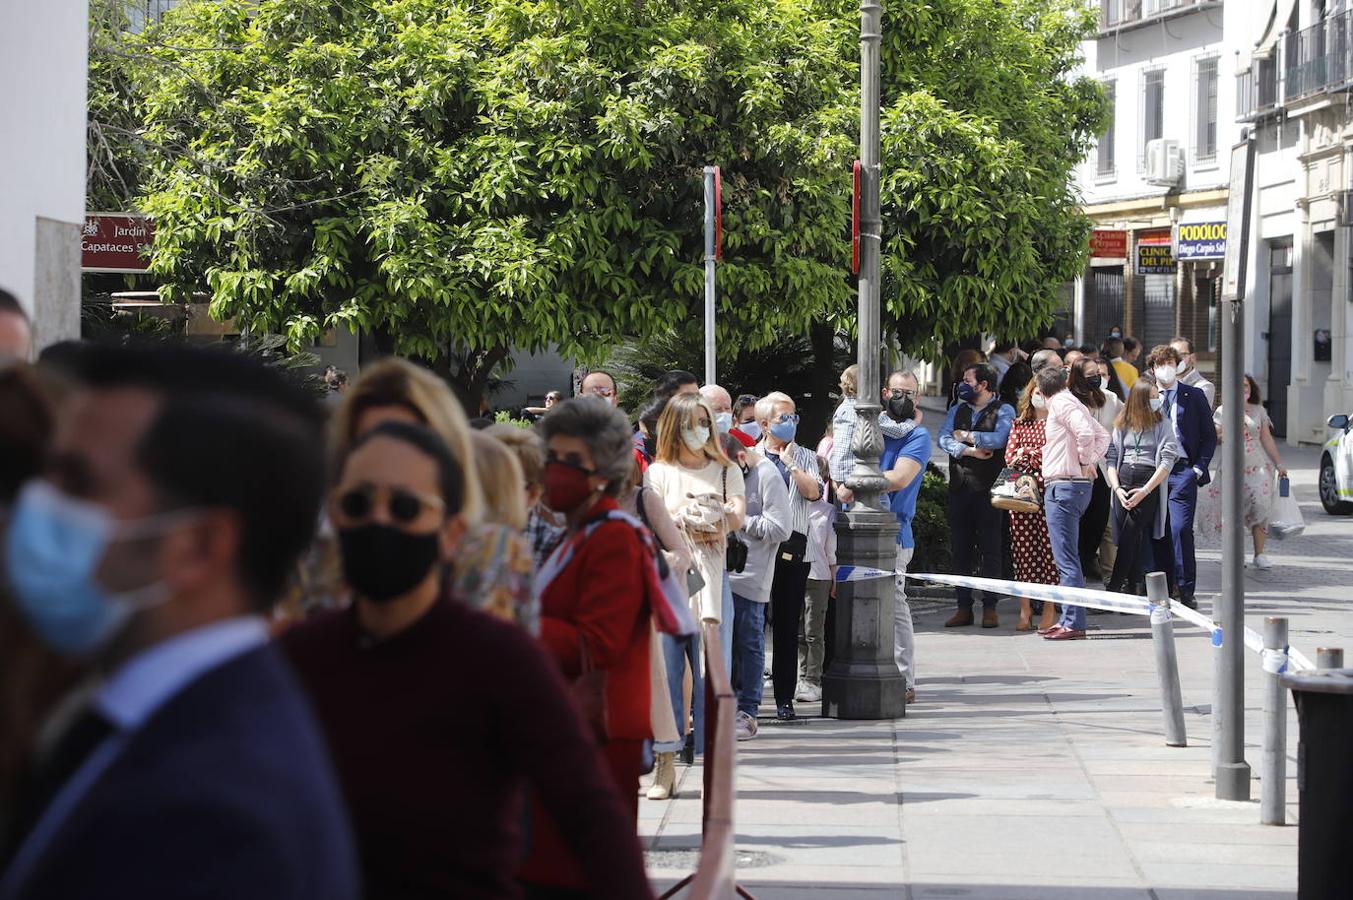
(1044, 358)
(603, 428)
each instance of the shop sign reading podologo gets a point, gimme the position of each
(1202, 240)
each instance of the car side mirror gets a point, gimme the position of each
(1340, 422)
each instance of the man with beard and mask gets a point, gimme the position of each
(180, 489)
(1188, 409)
(974, 435)
(903, 465)
(767, 524)
(1188, 370)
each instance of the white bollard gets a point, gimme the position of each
(1167, 663)
(1273, 764)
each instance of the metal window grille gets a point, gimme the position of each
(1105, 158)
(1153, 111)
(1205, 135)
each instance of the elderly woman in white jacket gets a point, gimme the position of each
(767, 524)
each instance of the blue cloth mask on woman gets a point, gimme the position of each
(52, 549)
(784, 431)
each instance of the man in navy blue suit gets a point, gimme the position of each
(1188, 409)
(181, 488)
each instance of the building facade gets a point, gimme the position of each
(1186, 79)
(42, 162)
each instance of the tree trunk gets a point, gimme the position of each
(816, 415)
(472, 378)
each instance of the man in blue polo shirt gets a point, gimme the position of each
(903, 464)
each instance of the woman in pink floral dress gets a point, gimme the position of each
(1029, 542)
(1261, 461)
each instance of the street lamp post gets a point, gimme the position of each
(863, 681)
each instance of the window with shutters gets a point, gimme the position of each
(1205, 111)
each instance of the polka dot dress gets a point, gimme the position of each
(1029, 531)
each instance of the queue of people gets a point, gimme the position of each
(232, 578)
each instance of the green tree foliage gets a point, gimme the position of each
(467, 177)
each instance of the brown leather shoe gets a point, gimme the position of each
(1065, 634)
(959, 619)
(989, 619)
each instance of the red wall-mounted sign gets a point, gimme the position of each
(1108, 244)
(116, 242)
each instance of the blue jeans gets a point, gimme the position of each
(749, 653)
(677, 653)
(1183, 504)
(1063, 505)
(726, 625)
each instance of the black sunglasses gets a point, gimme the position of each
(357, 504)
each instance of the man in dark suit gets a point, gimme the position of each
(1188, 409)
(181, 489)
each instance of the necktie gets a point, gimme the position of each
(50, 773)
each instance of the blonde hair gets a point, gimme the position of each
(528, 446)
(398, 382)
(679, 413)
(1025, 407)
(500, 480)
(850, 380)
(766, 405)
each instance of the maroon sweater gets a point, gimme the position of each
(435, 732)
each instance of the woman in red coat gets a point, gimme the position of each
(594, 613)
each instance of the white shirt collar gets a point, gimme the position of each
(147, 681)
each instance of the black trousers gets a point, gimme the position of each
(1136, 528)
(786, 609)
(1093, 522)
(975, 535)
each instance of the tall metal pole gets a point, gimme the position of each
(1232, 773)
(711, 252)
(864, 682)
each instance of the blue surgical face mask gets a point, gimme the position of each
(966, 392)
(53, 547)
(784, 431)
(723, 421)
(1157, 403)
(751, 429)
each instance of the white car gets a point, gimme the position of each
(1336, 469)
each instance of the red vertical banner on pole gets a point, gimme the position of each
(718, 214)
(855, 222)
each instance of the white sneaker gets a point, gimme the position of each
(808, 692)
(1262, 562)
(746, 726)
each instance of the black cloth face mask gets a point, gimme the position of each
(382, 563)
(901, 409)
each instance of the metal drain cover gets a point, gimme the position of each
(689, 859)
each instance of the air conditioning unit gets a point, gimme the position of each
(1164, 162)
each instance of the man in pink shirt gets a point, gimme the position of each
(1074, 443)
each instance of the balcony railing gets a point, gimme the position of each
(1319, 58)
(1117, 13)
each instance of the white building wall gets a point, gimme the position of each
(42, 161)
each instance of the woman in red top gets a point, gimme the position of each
(1029, 542)
(593, 606)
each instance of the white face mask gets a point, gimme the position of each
(1183, 365)
(695, 438)
(723, 421)
(1039, 401)
(1165, 375)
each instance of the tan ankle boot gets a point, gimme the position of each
(664, 778)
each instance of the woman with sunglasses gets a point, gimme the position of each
(705, 495)
(433, 773)
(594, 613)
(799, 470)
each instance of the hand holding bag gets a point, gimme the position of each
(1286, 520)
(1016, 490)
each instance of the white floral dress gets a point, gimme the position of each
(1257, 481)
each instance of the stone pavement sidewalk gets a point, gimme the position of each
(1028, 769)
